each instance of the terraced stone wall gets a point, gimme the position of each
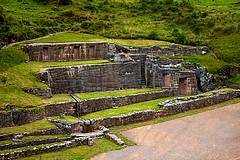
(19, 117)
(170, 50)
(94, 105)
(99, 77)
(141, 116)
(50, 52)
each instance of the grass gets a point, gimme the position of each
(22, 75)
(103, 145)
(27, 148)
(81, 37)
(211, 63)
(235, 79)
(80, 152)
(5, 142)
(147, 105)
(153, 105)
(89, 95)
(227, 47)
(28, 138)
(69, 119)
(37, 125)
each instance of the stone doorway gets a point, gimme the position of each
(183, 86)
(167, 80)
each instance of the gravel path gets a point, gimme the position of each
(212, 135)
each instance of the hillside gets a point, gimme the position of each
(203, 22)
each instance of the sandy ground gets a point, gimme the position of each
(212, 135)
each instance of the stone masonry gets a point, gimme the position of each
(66, 51)
(99, 77)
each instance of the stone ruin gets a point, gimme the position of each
(52, 52)
(131, 67)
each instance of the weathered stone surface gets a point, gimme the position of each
(158, 74)
(98, 77)
(45, 149)
(44, 93)
(66, 51)
(114, 138)
(23, 116)
(33, 143)
(170, 50)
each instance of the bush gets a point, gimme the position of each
(3, 77)
(65, 2)
(152, 35)
(179, 36)
(229, 30)
(10, 57)
(168, 2)
(56, 2)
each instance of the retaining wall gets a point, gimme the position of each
(166, 111)
(170, 50)
(93, 105)
(19, 117)
(23, 116)
(66, 51)
(98, 77)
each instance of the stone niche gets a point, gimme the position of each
(98, 77)
(187, 83)
(50, 52)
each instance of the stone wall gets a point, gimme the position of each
(44, 93)
(66, 51)
(159, 74)
(25, 152)
(215, 98)
(23, 116)
(94, 105)
(98, 77)
(19, 117)
(141, 116)
(170, 50)
(32, 143)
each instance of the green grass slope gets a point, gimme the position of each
(129, 22)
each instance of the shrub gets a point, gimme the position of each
(65, 2)
(10, 57)
(152, 35)
(3, 77)
(179, 36)
(229, 30)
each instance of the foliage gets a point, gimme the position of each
(10, 57)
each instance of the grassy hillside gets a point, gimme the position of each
(195, 22)
(215, 23)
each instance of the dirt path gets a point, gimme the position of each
(212, 135)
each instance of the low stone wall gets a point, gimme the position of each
(44, 93)
(94, 105)
(50, 131)
(45, 149)
(201, 102)
(19, 117)
(32, 143)
(170, 50)
(165, 111)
